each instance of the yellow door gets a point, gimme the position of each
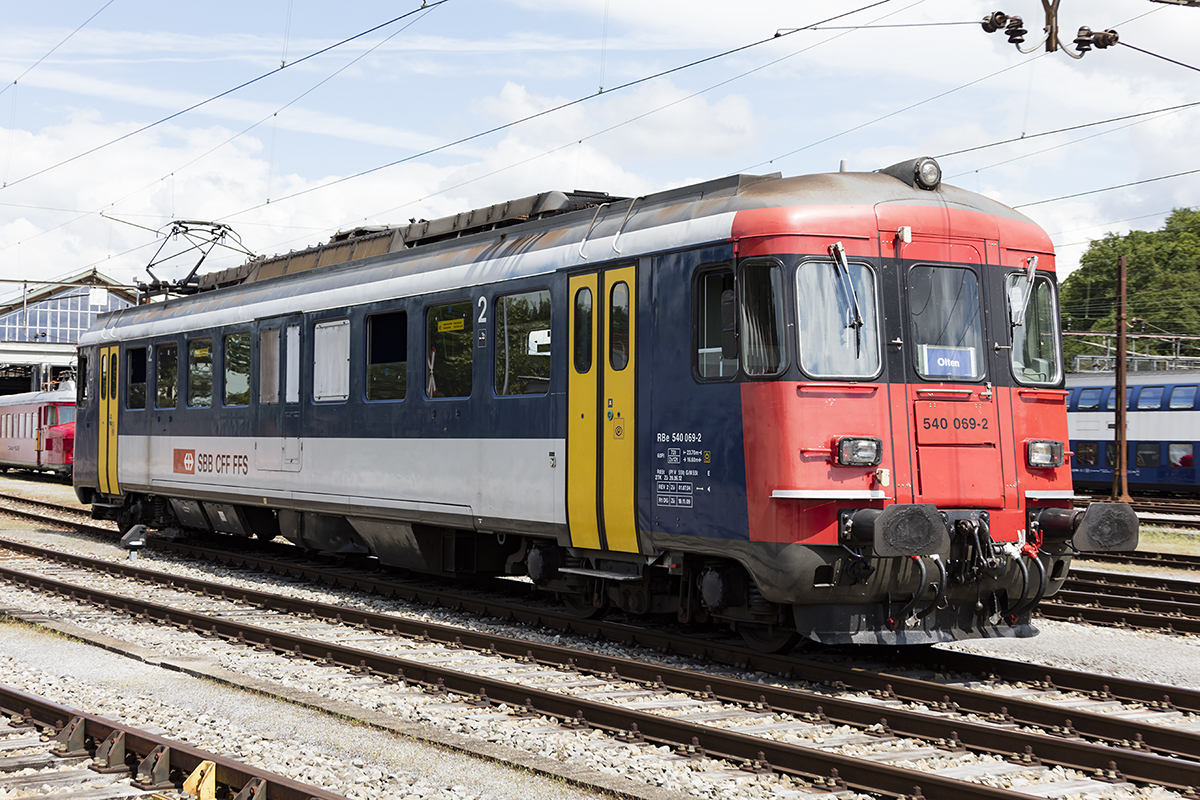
(601, 452)
(110, 360)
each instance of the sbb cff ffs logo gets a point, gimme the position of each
(189, 462)
(185, 462)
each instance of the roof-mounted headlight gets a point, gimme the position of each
(921, 173)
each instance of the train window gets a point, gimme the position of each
(522, 343)
(387, 356)
(583, 331)
(1183, 397)
(839, 324)
(81, 389)
(236, 354)
(200, 372)
(1110, 454)
(618, 326)
(762, 318)
(1150, 397)
(1089, 400)
(1087, 454)
(947, 330)
(1035, 350)
(166, 375)
(135, 382)
(449, 349)
(268, 366)
(1148, 454)
(710, 328)
(331, 361)
(1111, 403)
(291, 375)
(1179, 454)
(66, 414)
(104, 376)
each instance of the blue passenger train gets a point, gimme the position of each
(1162, 430)
(828, 406)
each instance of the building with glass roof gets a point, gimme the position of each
(41, 322)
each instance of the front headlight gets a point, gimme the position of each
(1043, 453)
(856, 451)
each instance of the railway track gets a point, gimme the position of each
(48, 748)
(709, 714)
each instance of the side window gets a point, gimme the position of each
(1089, 399)
(291, 385)
(762, 318)
(947, 330)
(81, 388)
(135, 379)
(1150, 397)
(166, 375)
(522, 343)
(1087, 454)
(1110, 454)
(838, 319)
(449, 349)
(1148, 454)
(1179, 454)
(1034, 319)
(104, 376)
(1111, 403)
(268, 366)
(1183, 397)
(618, 326)
(710, 289)
(582, 357)
(236, 354)
(387, 356)
(331, 361)
(199, 375)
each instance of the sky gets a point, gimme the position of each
(288, 121)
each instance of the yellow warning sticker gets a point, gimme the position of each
(451, 325)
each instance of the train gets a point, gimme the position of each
(37, 430)
(825, 408)
(1162, 415)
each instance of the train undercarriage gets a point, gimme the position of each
(954, 582)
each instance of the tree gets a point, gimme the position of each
(1163, 285)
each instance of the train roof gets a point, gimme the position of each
(1161, 377)
(556, 230)
(62, 395)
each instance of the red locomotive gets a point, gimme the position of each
(37, 430)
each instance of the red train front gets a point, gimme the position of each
(895, 350)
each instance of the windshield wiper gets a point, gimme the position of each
(842, 268)
(1017, 310)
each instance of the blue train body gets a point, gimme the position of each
(1162, 430)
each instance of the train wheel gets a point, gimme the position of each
(767, 638)
(582, 606)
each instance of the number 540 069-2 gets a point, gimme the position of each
(958, 423)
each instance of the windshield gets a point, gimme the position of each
(1035, 349)
(839, 322)
(946, 328)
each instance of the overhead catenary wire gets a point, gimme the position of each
(273, 116)
(544, 112)
(50, 52)
(226, 93)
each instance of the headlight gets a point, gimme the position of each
(854, 451)
(1043, 454)
(928, 173)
